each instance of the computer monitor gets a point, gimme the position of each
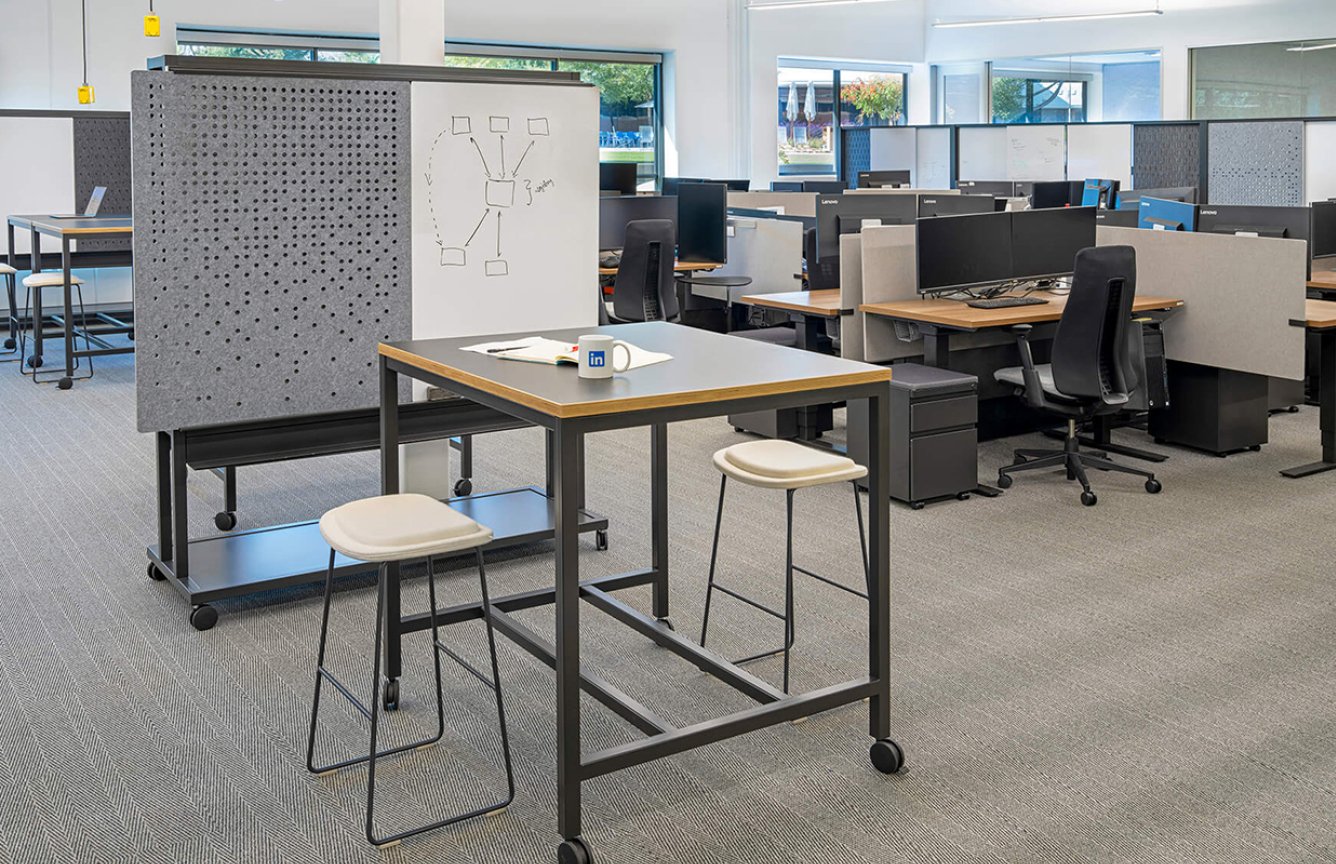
(1130, 199)
(846, 214)
(672, 184)
(1053, 193)
(1044, 243)
(95, 201)
(786, 186)
(824, 187)
(1099, 192)
(735, 185)
(1293, 223)
(956, 205)
(1118, 218)
(879, 179)
(958, 252)
(702, 223)
(1322, 237)
(614, 213)
(1161, 215)
(619, 177)
(996, 188)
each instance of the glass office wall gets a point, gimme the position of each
(817, 99)
(960, 93)
(1275, 79)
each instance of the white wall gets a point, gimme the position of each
(1185, 24)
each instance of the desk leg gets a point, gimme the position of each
(12, 325)
(180, 515)
(879, 556)
(567, 444)
(1326, 411)
(165, 495)
(389, 485)
(659, 516)
(36, 317)
(69, 315)
(810, 330)
(936, 347)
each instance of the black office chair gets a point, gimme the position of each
(1091, 373)
(644, 289)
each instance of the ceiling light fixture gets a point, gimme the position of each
(794, 4)
(1047, 19)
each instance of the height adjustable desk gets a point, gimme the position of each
(811, 310)
(1320, 319)
(711, 374)
(66, 230)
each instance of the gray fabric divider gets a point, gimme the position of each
(102, 158)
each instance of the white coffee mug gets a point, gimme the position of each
(597, 356)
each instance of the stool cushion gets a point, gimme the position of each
(785, 465)
(49, 279)
(6, 270)
(400, 527)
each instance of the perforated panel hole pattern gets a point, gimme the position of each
(272, 244)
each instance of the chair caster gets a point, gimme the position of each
(1153, 486)
(916, 505)
(390, 698)
(203, 617)
(65, 383)
(155, 574)
(574, 851)
(601, 541)
(1089, 499)
(225, 521)
(1004, 481)
(887, 757)
(9, 344)
(463, 486)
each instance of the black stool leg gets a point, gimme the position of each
(862, 538)
(714, 555)
(496, 685)
(788, 584)
(320, 665)
(12, 316)
(375, 706)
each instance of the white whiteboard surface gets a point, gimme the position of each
(1100, 151)
(983, 153)
(894, 148)
(1036, 152)
(934, 159)
(38, 155)
(505, 208)
(1319, 166)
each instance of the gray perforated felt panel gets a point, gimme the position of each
(272, 244)
(1257, 164)
(102, 158)
(1165, 156)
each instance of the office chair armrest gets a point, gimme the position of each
(1034, 390)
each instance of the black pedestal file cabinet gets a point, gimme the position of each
(1217, 410)
(934, 438)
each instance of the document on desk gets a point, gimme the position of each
(540, 349)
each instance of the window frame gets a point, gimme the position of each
(836, 67)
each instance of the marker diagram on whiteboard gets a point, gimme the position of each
(505, 187)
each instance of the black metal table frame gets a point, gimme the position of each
(1326, 403)
(566, 437)
(110, 325)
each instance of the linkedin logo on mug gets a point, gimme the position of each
(598, 356)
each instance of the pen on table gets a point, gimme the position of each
(507, 348)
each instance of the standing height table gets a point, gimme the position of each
(711, 375)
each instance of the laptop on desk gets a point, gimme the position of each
(90, 209)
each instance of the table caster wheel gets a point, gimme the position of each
(1004, 481)
(887, 757)
(390, 700)
(225, 521)
(667, 622)
(34, 362)
(203, 617)
(963, 496)
(463, 486)
(9, 344)
(601, 540)
(916, 505)
(1153, 486)
(1089, 499)
(65, 383)
(1293, 409)
(574, 851)
(155, 574)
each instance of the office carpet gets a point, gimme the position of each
(1150, 680)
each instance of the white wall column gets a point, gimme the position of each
(412, 32)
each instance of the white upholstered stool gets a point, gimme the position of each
(790, 466)
(37, 282)
(9, 274)
(394, 528)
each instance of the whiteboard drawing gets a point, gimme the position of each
(503, 187)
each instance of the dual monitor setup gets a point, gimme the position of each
(622, 178)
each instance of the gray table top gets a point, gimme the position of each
(706, 367)
(74, 225)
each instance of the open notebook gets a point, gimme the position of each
(539, 349)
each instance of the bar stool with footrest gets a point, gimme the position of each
(38, 282)
(384, 530)
(10, 275)
(775, 464)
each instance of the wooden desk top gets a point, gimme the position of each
(823, 304)
(1320, 314)
(75, 226)
(1323, 279)
(678, 267)
(706, 367)
(958, 316)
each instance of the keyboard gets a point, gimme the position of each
(1006, 302)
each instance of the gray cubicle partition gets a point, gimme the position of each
(102, 158)
(1257, 164)
(1167, 155)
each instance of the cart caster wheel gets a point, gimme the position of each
(203, 617)
(34, 362)
(1089, 499)
(916, 505)
(225, 521)
(739, 430)
(463, 486)
(65, 383)
(1153, 486)
(601, 540)
(963, 496)
(1256, 448)
(1293, 409)
(9, 344)
(667, 622)
(574, 851)
(155, 574)
(887, 757)
(390, 700)
(1004, 481)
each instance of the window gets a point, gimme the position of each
(1276, 79)
(1019, 99)
(811, 114)
(630, 84)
